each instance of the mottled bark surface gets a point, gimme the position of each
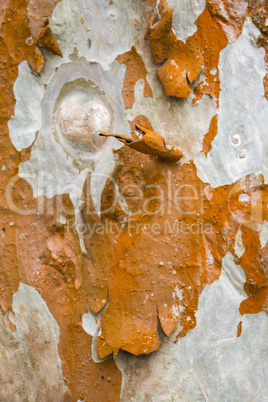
(112, 256)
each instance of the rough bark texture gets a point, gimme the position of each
(135, 272)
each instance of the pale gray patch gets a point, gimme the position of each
(104, 165)
(89, 323)
(109, 28)
(244, 197)
(30, 362)
(28, 118)
(213, 71)
(53, 170)
(264, 234)
(184, 17)
(240, 146)
(210, 362)
(79, 222)
(63, 220)
(239, 247)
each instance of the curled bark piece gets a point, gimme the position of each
(149, 143)
(47, 39)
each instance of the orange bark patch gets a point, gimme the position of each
(50, 259)
(265, 79)
(124, 291)
(254, 262)
(136, 25)
(182, 67)
(150, 2)
(16, 38)
(258, 11)
(150, 143)
(35, 248)
(10, 320)
(38, 12)
(211, 134)
(140, 121)
(154, 254)
(4, 6)
(251, 214)
(161, 239)
(135, 71)
(212, 39)
(161, 36)
(239, 329)
(47, 39)
(183, 62)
